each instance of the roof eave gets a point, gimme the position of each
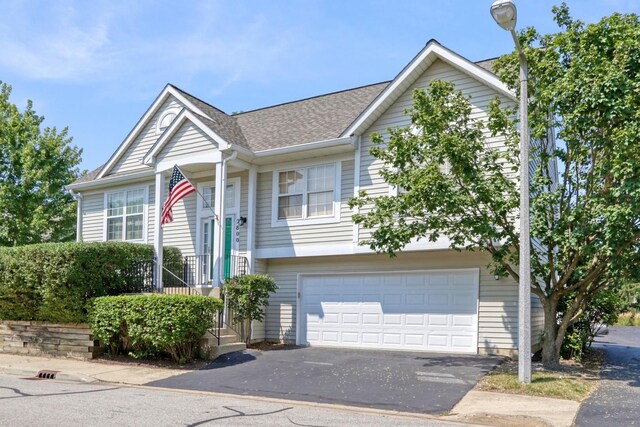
(110, 180)
(411, 72)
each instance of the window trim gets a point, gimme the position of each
(173, 110)
(306, 220)
(145, 214)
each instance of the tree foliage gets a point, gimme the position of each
(247, 296)
(585, 219)
(35, 165)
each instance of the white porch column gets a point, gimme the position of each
(218, 229)
(157, 234)
(79, 218)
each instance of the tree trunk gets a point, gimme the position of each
(550, 347)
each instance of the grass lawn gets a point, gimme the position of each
(573, 382)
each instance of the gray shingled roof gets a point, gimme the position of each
(221, 123)
(299, 122)
(309, 120)
(90, 176)
(487, 64)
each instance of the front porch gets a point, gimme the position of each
(212, 227)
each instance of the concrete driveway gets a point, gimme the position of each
(402, 381)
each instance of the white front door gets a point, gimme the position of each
(428, 310)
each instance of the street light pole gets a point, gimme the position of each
(505, 14)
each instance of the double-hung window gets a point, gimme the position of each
(306, 193)
(125, 215)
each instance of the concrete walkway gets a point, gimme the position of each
(84, 371)
(476, 407)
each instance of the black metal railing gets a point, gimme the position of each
(188, 272)
(139, 276)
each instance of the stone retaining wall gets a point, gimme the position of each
(47, 339)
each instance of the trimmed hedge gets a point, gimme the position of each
(55, 282)
(146, 325)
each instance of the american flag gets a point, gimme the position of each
(179, 187)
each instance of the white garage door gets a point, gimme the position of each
(427, 310)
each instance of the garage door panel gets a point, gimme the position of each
(392, 319)
(437, 320)
(371, 319)
(414, 320)
(418, 311)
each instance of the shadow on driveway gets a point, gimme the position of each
(402, 381)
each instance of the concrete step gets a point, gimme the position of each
(226, 348)
(228, 339)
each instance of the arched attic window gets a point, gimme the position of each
(165, 120)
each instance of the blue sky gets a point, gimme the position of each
(96, 66)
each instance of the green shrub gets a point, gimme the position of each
(146, 325)
(603, 309)
(247, 297)
(56, 281)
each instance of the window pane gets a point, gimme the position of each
(320, 204)
(320, 178)
(115, 204)
(135, 201)
(208, 194)
(114, 228)
(290, 207)
(291, 182)
(134, 227)
(230, 197)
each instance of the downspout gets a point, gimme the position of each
(78, 197)
(221, 239)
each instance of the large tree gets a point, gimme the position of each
(585, 191)
(35, 165)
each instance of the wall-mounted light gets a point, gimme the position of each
(242, 220)
(497, 277)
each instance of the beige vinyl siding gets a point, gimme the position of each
(181, 233)
(537, 320)
(151, 218)
(188, 140)
(93, 217)
(131, 158)
(498, 305)
(271, 237)
(480, 97)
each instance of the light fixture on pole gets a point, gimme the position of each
(505, 14)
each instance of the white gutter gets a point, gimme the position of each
(79, 198)
(103, 182)
(303, 147)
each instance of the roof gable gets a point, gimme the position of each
(403, 81)
(217, 122)
(185, 116)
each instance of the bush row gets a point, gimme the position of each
(147, 325)
(55, 281)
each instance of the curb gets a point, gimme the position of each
(60, 376)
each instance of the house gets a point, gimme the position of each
(281, 177)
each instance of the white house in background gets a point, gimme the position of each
(281, 177)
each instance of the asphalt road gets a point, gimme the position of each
(52, 403)
(617, 400)
(402, 381)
